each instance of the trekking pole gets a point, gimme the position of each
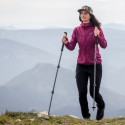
(94, 73)
(65, 33)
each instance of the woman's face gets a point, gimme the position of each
(85, 16)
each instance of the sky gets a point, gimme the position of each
(35, 14)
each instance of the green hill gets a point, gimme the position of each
(31, 118)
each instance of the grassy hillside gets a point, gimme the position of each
(30, 118)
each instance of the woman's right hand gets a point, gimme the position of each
(65, 39)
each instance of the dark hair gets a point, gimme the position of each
(93, 19)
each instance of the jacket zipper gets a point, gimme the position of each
(85, 48)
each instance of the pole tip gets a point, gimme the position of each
(93, 108)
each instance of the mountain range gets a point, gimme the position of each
(17, 57)
(32, 90)
(28, 66)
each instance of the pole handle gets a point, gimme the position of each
(95, 28)
(96, 35)
(65, 33)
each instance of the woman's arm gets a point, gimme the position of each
(71, 45)
(101, 39)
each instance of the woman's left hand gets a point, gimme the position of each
(96, 31)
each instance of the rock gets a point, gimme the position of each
(44, 115)
(55, 115)
(18, 120)
(74, 116)
(32, 119)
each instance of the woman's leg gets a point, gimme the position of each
(98, 98)
(82, 81)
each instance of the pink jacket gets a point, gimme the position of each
(84, 36)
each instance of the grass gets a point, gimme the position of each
(11, 118)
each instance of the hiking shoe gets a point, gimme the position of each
(100, 113)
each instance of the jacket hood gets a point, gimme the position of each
(86, 24)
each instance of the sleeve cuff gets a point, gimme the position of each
(67, 43)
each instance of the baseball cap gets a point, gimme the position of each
(86, 8)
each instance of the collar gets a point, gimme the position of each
(84, 25)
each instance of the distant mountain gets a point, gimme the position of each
(114, 26)
(49, 40)
(46, 39)
(16, 57)
(8, 27)
(32, 90)
(53, 27)
(117, 113)
(117, 81)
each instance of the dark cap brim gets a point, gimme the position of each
(82, 9)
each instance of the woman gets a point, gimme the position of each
(84, 35)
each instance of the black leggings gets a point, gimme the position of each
(83, 72)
